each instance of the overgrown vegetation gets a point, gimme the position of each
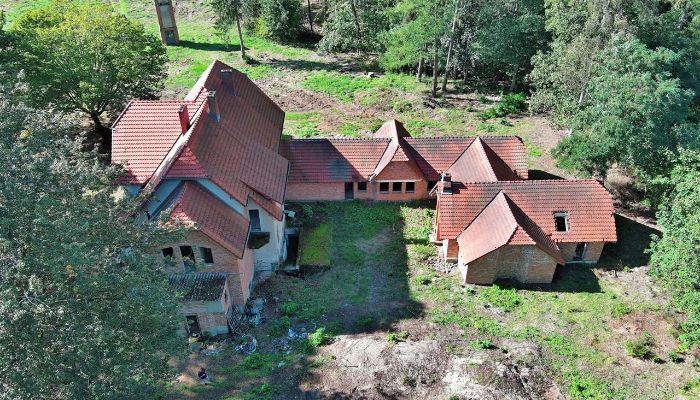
(315, 246)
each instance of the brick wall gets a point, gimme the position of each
(315, 191)
(592, 254)
(527, 264)
(240, 270)
(336, 191)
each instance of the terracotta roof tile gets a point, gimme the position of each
(435, 155)
(196, 208)
(332, 160)
(479, 163)
(588, 204)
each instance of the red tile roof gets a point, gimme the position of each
(435, 155)
(479, 163)
(332, 160)
(239, 152)
(501, 223)
(197, 208)
(396, 150)
(144, 133)
(588, 204)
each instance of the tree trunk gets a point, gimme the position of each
(449, 48)
(513, 78)
(240, 35)
(311, 20)
(419, 74)
(435, 67)
(103, 135)
(357, 21)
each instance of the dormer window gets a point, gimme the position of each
(561, 221)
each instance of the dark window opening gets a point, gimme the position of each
(207, 255)
(167, 252)
(580, 251)
(396, 186)
(561, 221)
(431, 185)
(361, 186)
(187, 257)
(254, 216)
(193, 328)
(410, 187)
(384, 187)
(349, 192)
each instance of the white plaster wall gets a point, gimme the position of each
(270, 256)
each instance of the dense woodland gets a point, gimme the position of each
(621, 76)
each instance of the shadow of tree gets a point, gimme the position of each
(209, 46)
(633, 239)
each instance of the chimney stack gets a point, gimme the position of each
(213, 106)
(184, 118)
(446, 183)
(227, 78)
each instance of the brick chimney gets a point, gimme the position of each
(227, 78)
(446, 183)
(213, 106)
(184, 118)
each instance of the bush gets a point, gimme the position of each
(620, 309)
(509, 104)
(423, 279)
(279, 327)
(320, 337)
(675, 357)
(280, 19)
(505, 299)
(290, 309)
(263, 363)
(641, 348)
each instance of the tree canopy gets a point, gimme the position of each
(86, 308)
(87, 57)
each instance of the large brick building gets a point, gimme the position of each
(215, 162)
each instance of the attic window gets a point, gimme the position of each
(207, 255)
(188, 258)
(561, 221)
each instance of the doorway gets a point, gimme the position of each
(580, 251)
(349, 192)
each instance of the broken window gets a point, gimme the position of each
(580, 251)
(207, 256)
(361, 186)
(188, 258)
(384, 187)
(396, 186)
(167, 252)
(561, 221)
(410, 187)
(254, 216)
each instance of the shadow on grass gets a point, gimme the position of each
(633, 238)
(209, 46)
(567, 279)
(306, 65)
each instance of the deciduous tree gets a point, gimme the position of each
(87, 57)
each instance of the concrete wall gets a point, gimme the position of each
(527, 264)
(268, 257)
(592, 254)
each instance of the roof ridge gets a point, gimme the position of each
(337, 139)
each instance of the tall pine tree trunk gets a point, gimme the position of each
(311, 20)
(419, 73)
(449, 48)
(435, 67)
(240, 35)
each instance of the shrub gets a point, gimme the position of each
(290, 309)
(482, 344)
(620, 309)
(316, 246)
(281, 19)
(641, 348)
(260, 362)
(320, 337)
(675, 357)
(505, 299)
(509, 104)
(279, 327)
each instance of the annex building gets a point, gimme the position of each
(216, 162)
